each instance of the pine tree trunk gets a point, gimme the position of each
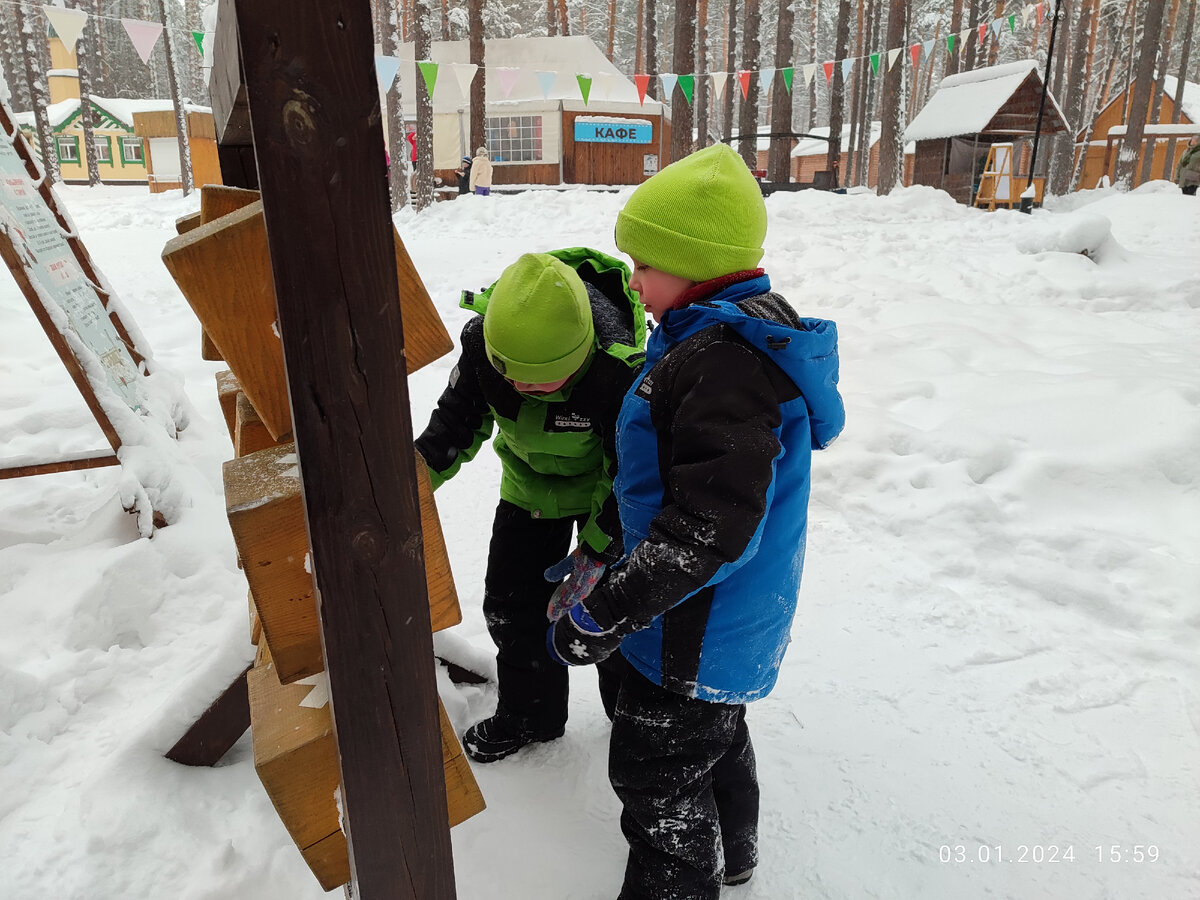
(1127, 159)
(1157, 89)
(731, 85)
(181, 121)
(891, 141)
(564, 22)
(551, 19)
(748, 113)
(702, 79)
(639, 55)
(955, 27)
(612, 27)
(863, 169)
(684, 61)
(812, 59)
(39, 92)
(994, 45)
(423, 48)
(652, 48)
(779, 157)
(1062, 157)
(855, 81)
(83, 62)
(390, 38)
(1184, 58)
(972, 41)
(837, 91)
(479, 85)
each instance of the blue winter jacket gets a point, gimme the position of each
(714, 445)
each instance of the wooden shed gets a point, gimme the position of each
(160, 136)
(1100, 154)
(539, 129)
(973, 110)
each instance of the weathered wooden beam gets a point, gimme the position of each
(217, 729)
(318, 141)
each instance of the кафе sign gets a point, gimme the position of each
(608, 130)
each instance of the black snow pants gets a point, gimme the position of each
(684, 771)
(533, 688)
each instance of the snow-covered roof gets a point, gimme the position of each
(1191, 96)
(965, 103)
(814, 147)
(565, 56)
(120, 108)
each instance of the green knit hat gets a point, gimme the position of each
(699, 218)
(538, 323)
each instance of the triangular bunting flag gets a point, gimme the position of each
(687, 84)
(809, 71)
(927, 47)
(464, 74)
(765, 77)
(198, 37)
(507, 76)
(668, 82)
(828, 67)
(386, 68)
(546, 82)
(951, 40)
(144, 36)
(1026, 15)
(893, 55)
(874, 63)
(744, 81)
(847, 65)
(429, 72)
(642, 82)
(718, 80)
(915, 52)
(1012, 23)
(67, 23)
(983, 33)
(585, 86)
(1041, 11)
(789, 73)
(997, 25)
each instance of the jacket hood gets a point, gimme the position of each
(804, 348)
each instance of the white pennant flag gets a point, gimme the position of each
(997, 25)
(67, 23)
(668, 82)
(892, 54)
(809, 71)
(507, 76)
(928, 46)
(144, 36)
(386, 68)
(718, 80)
(464, 74)
(765, 77)
(847, 66)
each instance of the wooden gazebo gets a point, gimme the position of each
(972, 111)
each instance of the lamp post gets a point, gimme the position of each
(1027, 196)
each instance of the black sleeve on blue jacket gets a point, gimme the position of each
(462, 420)
(717, 447)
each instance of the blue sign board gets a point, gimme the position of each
(613, 132)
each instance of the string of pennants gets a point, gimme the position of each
(68, 24)
(386, 67)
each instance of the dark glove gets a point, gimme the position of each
(577, 639)
(582, 574)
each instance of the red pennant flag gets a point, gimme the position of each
(744, 81)
(982, 33)
(828, 66)
(643, 82)
(915, 52)
(1041, 10)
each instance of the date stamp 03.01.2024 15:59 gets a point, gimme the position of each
(1047, 853)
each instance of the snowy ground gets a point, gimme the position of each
(997, 646)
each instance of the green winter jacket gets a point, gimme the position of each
(558, 450)
(1187, 172)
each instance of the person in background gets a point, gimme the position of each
(481, 173)
(1187, 171)
(714, 446)
(463, 174)
(560, 339)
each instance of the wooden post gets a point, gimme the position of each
(318, 138)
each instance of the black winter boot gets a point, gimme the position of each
(500, 736)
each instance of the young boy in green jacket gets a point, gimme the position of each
(560, 339)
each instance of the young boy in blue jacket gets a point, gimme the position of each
(714, 444)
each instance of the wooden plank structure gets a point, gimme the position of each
(338, 533)
(998, 186)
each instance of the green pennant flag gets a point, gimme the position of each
(687, 84)
(787, 77)
(585, 86)
(951, 39)
(429, 72)
(874, 63)
(198, 37)
(1012, 23)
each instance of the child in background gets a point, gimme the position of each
(559, 340)
(714, 444)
